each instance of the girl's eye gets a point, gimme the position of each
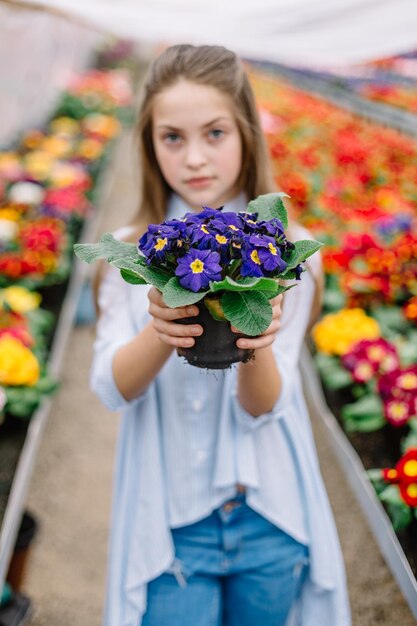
(172, 138)
(216, 133)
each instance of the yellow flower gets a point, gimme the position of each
(38, 164)
(90, 149)
(18, 365)
(64, 174)
(8, 213)
(65, 125)
(337, 332)
(20, 299)
(57, 146)
(100, 124)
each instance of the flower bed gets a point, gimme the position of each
(353, 184)
(49, 179)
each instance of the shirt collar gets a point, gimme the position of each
(177, 207)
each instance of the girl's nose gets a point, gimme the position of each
(195, 156)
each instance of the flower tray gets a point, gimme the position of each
(378, 520)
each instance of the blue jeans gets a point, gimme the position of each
(233, 568)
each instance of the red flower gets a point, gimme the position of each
(43, 234)
(370, 357)
(16, 325)
(405, 476)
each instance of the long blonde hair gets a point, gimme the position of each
(206, 65)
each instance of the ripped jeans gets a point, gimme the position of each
(233, 568)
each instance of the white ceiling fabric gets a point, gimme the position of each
(308, 32)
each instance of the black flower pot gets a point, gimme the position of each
(216, 347)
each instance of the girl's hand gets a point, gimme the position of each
(169, 332)
(268, 337)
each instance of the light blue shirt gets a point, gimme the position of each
(186, 442)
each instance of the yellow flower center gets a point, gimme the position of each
(412, 490)
(364, 370)
(197, 266)
(397, 410)
(272, 249)
(161, 243)
(410, 468)
(255, 257)
(408, 381)
(376, 353)
(392, 473)
(232, 227)
(221, 239)
(204, 229)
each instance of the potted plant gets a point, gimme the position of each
(232, 264)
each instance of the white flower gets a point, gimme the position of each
(8, 230)
(26, 193)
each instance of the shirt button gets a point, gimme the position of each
(197, 405)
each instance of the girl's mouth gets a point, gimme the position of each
(198, 183)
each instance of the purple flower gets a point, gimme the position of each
(199, 235)
(262, 254)
(228, 221)
(206, 214)
(197, 268)
(252, 265)
(273, 227)
(161, 239)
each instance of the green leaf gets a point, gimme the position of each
(303, 249)
(338, 378)
(244, 284)
(132, 277)
(270, 206)
(20, 409)
(400, 513)
(366, 406)
(333, 300)
(389, 318)
(334, 375)
(174, 295)
(249, 311)
(107, 248)
(151, 275)
(401, 516)
(366, 425)
(407, 348)
(410, 441)
(391, 495)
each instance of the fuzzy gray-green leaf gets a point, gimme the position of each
(153, 276)
(245, 284)
(249, 311)
(303, 249)
(107, 248)
(174, 295)
(270, 206)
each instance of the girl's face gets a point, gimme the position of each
(197, 143)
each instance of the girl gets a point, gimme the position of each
(220, 517)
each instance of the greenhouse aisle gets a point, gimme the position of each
(71, 487)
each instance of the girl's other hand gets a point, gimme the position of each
(268, 337)
(169, 332)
